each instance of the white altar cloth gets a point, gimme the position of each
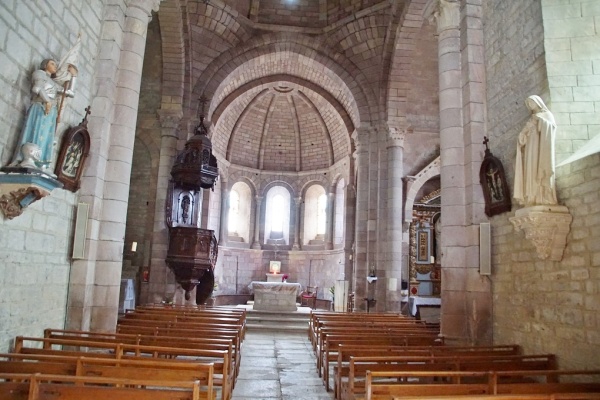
(275, 296)
(415, 301)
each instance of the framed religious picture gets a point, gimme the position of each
(423, 250)
(74, 150)
(493, 183)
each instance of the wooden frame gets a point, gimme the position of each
(423, 250)
(74, 150)
(493, 184)
(275, 267)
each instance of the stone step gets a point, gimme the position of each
(278, 320)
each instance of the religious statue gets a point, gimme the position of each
(51, 80)
(534, 169)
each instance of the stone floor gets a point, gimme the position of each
(278, 365)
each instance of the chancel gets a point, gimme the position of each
(348, 135)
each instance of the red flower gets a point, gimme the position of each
(284, 277)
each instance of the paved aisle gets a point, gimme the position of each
(278, 366)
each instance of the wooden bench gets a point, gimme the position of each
(221, 359)
(358, 367)
(204, 342)
(47, 387)
(328, 353)
(237, 313)
(148, 369)
(318, 322)
(397, 385)
(346, 351)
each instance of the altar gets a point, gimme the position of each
(415, 301)
(275, 296)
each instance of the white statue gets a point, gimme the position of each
(534, 169)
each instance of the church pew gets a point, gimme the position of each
(203, 319)
(319, 319)
(146, 369)
(203, 342)
(327, 353)
(236, 312)
(358, 366)
(185, 325)
(184, 331)
(64, 387)
(223, 367)
(384, 385)
(346, 351)
(520, 396)
(358, 326)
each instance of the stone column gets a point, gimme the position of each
(95, 282)
(157, 284)
(360, 259)
(224, 226)
(329, 223)
(466, 296)
(298, 202)
(256, 243)
(395, 184)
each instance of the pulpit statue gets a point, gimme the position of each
(534, 168)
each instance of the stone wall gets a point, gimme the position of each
(545, 306)
(35, 247)
(572, 41)
(237, 268)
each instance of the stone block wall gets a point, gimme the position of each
(237, 268)
(572, 42)
(35, 247)
(545, 306)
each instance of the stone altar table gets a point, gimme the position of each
(275, 296)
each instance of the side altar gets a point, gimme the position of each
(275, 296)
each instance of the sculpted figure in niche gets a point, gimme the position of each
(534, 169)
(48, 82)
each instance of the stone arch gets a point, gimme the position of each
(356, 84)
(417, 181)
(411, 21)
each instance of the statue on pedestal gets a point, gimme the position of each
(534, 169)
(49, 82)
(545, 223)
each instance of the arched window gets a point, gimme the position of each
(321, 214)
(234, 211)
(338, 224)
(315, 215)
(238, 217)
(277, 216)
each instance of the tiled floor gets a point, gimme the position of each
(278, 365)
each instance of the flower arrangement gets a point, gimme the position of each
(284, 278)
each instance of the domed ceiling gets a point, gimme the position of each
(283, 126)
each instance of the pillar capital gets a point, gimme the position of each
(360, 136)
(169, 118)
(446, 13)
(396, 135)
